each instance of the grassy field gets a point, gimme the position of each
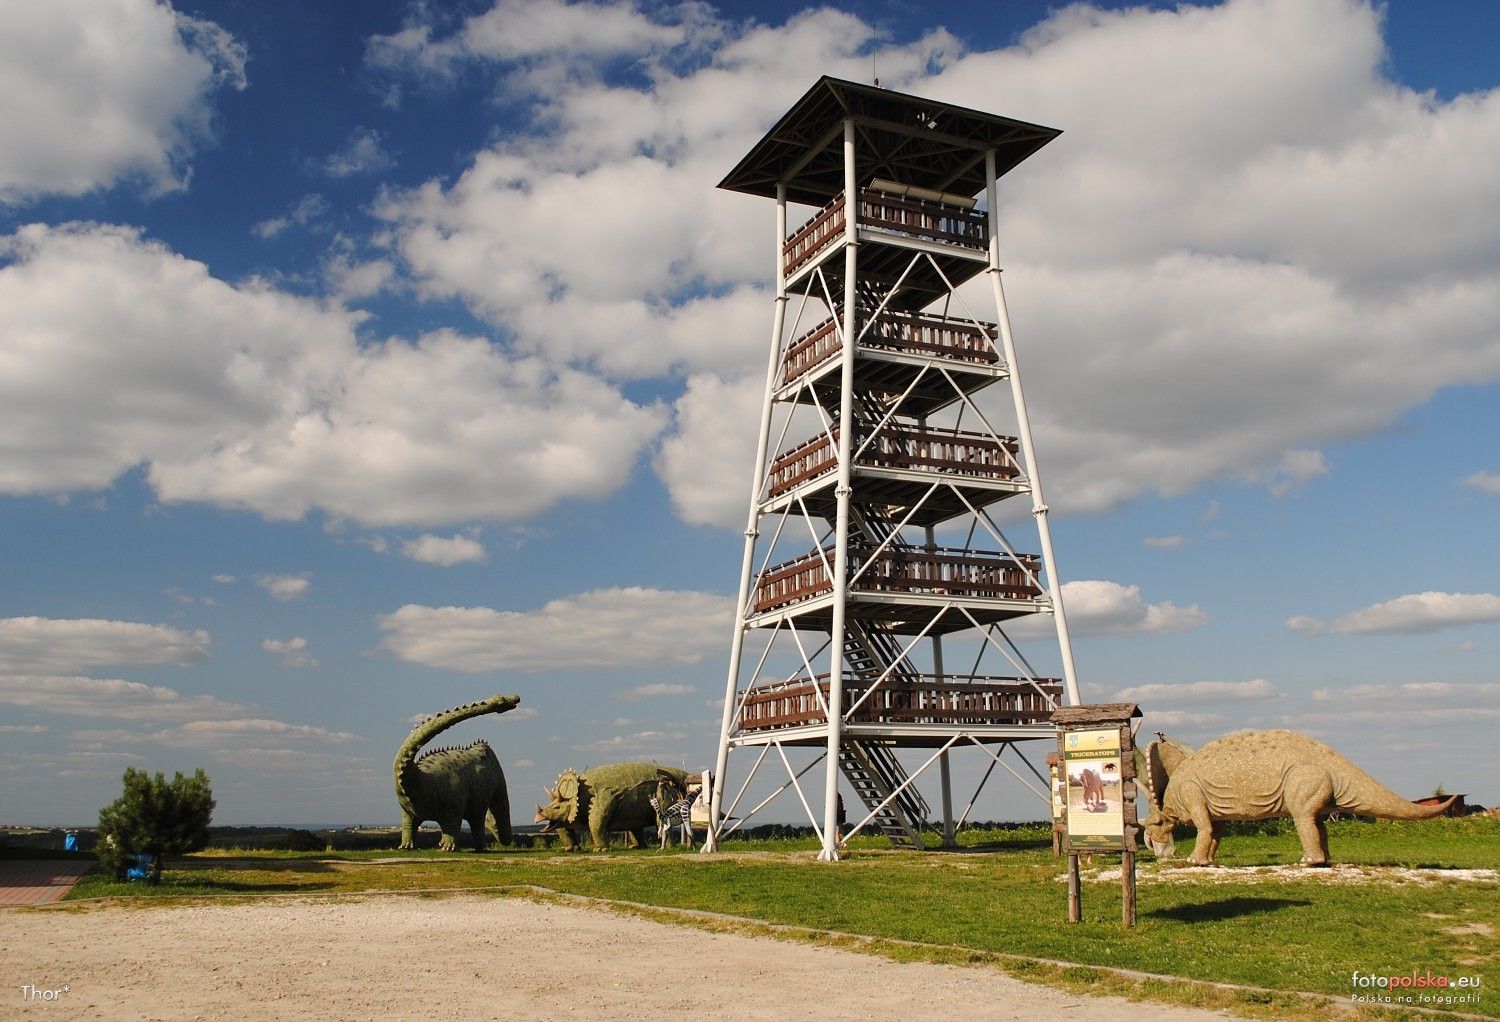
(1003, 895)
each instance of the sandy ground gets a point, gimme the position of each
(468, 957)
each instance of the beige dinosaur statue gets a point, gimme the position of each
(1259, 775)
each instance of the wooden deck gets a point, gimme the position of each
(942, 572)
(898, 332)
(924, 699)
(926, 221)
(948, 451)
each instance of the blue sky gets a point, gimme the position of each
(360, 359)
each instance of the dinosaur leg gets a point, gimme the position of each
(1306, 793)
(638, 838)
(408, 830)
(1196, 804)
(477, 829)
(1215, 832)
(450, 827)
(500, 807)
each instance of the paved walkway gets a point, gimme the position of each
(38, 881)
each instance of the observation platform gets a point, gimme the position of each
(901, 587)
(918, 710)
(927, 361)
(897, 469)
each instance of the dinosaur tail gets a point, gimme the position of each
(1367, 796)
(435, 725)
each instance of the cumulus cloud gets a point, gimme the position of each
(61, 645)
(443, 551)
(306, 211)
(657, 688)
(1484, 482)
(1190, 692)
(112, 91)
(291, 652)
(1413, 613)
(1097, 607)
(111, 698)
(515, 30)
(118, 352)
(1230, 237)
(602, 628)
(284, 587)
(362, 153)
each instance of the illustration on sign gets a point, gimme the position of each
(1091, 762)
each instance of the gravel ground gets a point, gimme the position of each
(468, 957)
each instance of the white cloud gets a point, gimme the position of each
(1231, 240)
(112, 698)
(1192, 692)
(1181, 718)
(22, 729)
(116, 352)
(1484, 482)
(362, 153)
(100, 92)
(528, 29)
(447, 552)
(662, 744)
(707, 459)
(59, 645)
(284, 587)
(224, 578)
(1410, 694)
(290, 652)
(602, 628)
(1413, 613)
(1096, 607)
(1165, 542)
(306, 211)
(657, 688)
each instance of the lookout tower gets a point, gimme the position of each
(876, 444)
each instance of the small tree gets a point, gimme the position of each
(154, 817)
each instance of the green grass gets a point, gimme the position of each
(1277, 932)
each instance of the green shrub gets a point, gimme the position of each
(154, 817)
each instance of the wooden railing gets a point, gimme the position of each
(930, 221)
(946, 572)
(910, 332)
(952, 451)
(813, 236)
(926, 700)
(933, 221)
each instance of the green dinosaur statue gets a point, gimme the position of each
(452, 785)
(1260, 775)
(604, 799)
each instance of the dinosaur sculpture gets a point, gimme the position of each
(1259, 775)
(604, 799)
(452, 785)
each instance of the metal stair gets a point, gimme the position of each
(874, 772)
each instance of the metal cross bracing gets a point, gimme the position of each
(874, 444)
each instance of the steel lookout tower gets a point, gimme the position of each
(881, 605)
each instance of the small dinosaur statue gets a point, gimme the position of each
(453, 785)
(1259, 775)
(604, 799)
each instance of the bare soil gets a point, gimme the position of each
(471, 957)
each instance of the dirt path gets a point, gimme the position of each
(467, 957)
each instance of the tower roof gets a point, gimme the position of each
(901, 138)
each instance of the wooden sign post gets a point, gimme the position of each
(1096, 751)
